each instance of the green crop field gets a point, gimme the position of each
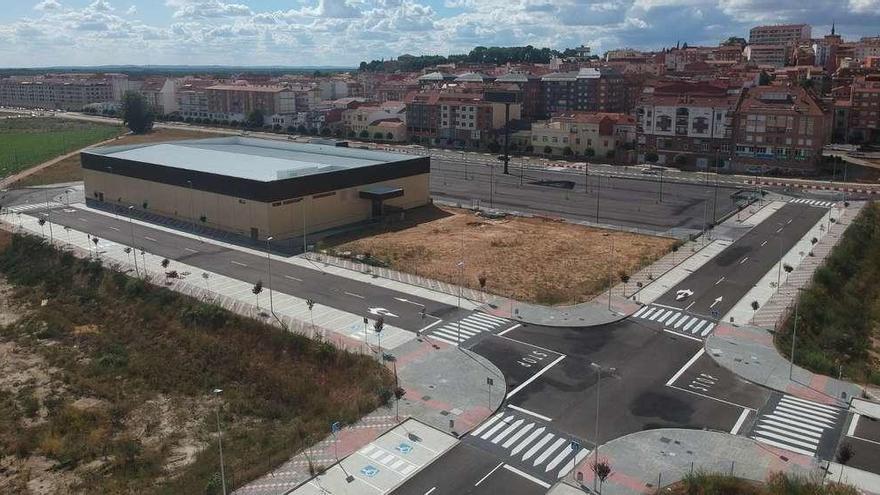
(25, 142)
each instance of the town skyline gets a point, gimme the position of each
(49, 33)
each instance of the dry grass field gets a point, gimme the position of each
(528, 259)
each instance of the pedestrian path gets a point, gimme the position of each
(799, 425)
(812, 202)
(460, 331)
(529, 444)
(676, 320)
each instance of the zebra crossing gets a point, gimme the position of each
(530, 444)
(29, 207)
(457, 332)
(798, 425)
(812, 202)
(676, 320)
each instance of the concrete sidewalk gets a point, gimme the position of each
(643, 462)
(750, 353)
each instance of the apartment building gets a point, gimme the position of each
(529, 88)
(864, 109)
(780, 34)
(456, 119)
(192, 99)
(600, 89)
(688, 124)
(161, 94)
(360, 117)
(62, 93)
(235, 102)
(779, 128)
(768, 55)
(866, 48)
(588, 134)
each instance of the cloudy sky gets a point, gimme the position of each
(344, 32)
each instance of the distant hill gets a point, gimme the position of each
(177, 70)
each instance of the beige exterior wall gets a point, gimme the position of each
(281, 219)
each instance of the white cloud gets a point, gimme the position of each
(131, 10)
(205, 9)
(100, 6)
(865, 6)
(47, 5)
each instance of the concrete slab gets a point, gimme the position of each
(383, 464)
(863, 480)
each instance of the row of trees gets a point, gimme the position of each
(496, 55)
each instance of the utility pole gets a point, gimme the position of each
(506, 137)
(269, 271)
(598, 193)
(217, 392)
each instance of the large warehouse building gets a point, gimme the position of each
(256, 187)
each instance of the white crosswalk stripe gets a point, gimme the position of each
(812, 202)
(29, 207)
(456, 332)
(530, 445)
(796, 424)
(675, 320)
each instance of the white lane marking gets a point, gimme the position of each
(516, 436)
(812, 410)
(787, 438)
(529, 453)
(549, 451)
(429, 492)
(796, 417)
(672, 320)
(682, 335)
(734, 404)
(650, 312)
(497, 427)
(238, 263)
(743, 260)
(689, 324)
(739, 422)
(763, 243)
(150, 238)
(534, 377)
(114, 228)
(562, 455)
(784, 446)
(191, 250)
(779, 230)
(83, 219)
(792, 422)
(719, 280)
(663, 318)
(510, 329)
(810, 403)
(429, 326)
(810, 436)
(486, 424)
(699, 325)
(687, 365)
(852, 425)
(787, 427)
(657, 315)
(516, 450)
(354, 295)
(293, 278)
(531, 413)
(488, 474)
(526, 476)
(510, 429)
(441, 339)
(577, 460)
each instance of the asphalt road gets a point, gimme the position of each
(626, 202)
(325, 289)
(731, 274)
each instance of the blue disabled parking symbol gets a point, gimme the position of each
(369, 471)
(405, 448)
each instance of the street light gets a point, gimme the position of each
(598, 369)
(217, 392)
(131, 224)
(794, 334)
(269, 272)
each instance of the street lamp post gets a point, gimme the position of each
(460, 281)
(598, 369)
(610, 269)
(269, 272)
(598, 193)
(131, 225)
(217, 392)
(794, 334)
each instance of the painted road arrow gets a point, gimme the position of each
(382, 312)
(717, 300)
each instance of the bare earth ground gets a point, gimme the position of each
(26, 376)
(528, 259)
(68, 170)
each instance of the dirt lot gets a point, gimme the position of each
(68, 170)
(529, 259)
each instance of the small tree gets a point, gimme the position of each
(311, 304)
(258, 287)
(95, 241)
(42, 221)
(378, 136)
(652, 157)
(567, 151)
(255, 118)
(625, 279)
(481, 278)
(389, 136)
(788, 268)
(548, 150)
(363, 134)
(674, 250)
(755, 305)
(602, 471)
(589, 152)
(136, 113)
(378, 326)
(844, 455)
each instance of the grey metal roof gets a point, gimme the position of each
(248, 158)
(513, 77)
(560, 76)
(470, 77)
(434, 76)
